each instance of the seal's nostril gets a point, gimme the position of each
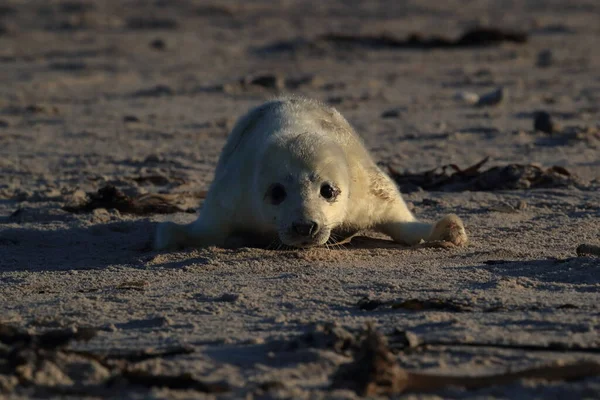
(305, 228)
(314, 228)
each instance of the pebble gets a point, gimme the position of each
(522, 205)
(158, 44)
(545, 58)
(229, 297)
(76, 198)
(100, 215)
(467, 97)
(130, 118)
(542, 122)
(392, 113)
(267, 81)
(492, 98)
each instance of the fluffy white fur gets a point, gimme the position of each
(297, 146)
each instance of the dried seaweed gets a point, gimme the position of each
(267, 81)
(588, 250)
(26, 359)
(435, 304)
(50, 340)
(451, 178)
(438, 304)
(139, 285)
(368, 304)
(477, 37)
(324, 336)
(430, 304)
(110, 197)
(374, 371)
(553, 347)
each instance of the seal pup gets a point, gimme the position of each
(294, 172)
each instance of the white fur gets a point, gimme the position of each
(300, 144)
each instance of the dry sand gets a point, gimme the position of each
(98, 92)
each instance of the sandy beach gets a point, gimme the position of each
(141, 95)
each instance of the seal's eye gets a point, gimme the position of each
(277, 194)
(329, 192)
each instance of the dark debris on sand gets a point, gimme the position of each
(477, 37)
(374, 371)
(109, 197)
(451, 178)
(44, 364)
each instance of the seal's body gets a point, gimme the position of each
(294, 172)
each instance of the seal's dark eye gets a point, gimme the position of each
(277, 194)
(328, 192)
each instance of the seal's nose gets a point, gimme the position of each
(305, 228)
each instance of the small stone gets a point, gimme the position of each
(392, 113)
(467, 97)
(543, 122)
(492, 98)
(229, 297)
(307, 80)
(521, 205)
(101, 215)
(130, 118)
(158, 44)
(266, 81)
(545, 58)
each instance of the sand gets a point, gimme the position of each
(141, 95)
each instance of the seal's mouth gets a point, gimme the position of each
(303, 242)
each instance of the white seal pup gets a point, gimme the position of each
(294, 172)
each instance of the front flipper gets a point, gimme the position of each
(448, 229)
(204, 232)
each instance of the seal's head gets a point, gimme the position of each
(304, 188)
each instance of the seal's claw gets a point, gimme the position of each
(451, 229)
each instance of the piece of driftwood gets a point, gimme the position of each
(109, 197)
(451, 178)
(374, 371)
